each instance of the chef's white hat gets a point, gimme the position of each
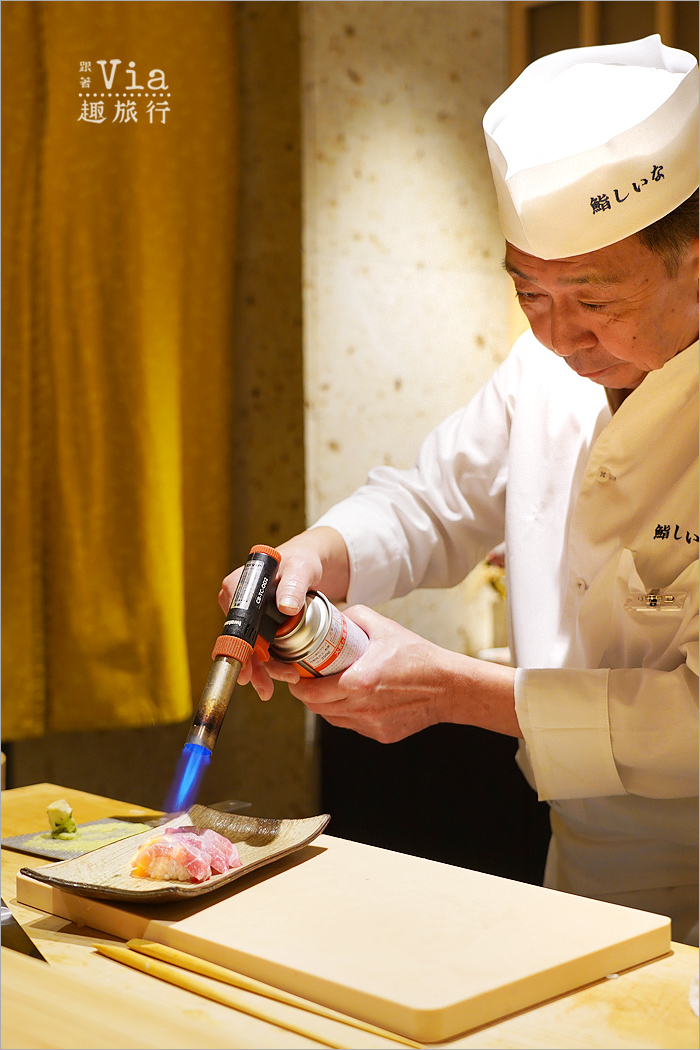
(590, 145)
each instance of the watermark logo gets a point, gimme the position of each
(119, 101)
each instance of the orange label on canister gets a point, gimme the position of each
(322, 640)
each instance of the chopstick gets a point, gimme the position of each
(249, 984)
(191, 984)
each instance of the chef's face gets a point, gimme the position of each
(614, 314)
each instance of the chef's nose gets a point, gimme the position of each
(567, 334)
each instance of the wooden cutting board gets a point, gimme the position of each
(424, 949)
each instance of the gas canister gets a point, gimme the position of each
(319, 640)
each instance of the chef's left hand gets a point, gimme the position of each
(404, 683)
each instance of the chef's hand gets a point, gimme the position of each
(404, 683)
(316, 559)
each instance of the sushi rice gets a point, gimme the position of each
(185, 854)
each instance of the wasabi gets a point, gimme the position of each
(61, 820)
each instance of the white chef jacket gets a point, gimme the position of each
(597, 512)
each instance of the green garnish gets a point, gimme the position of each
(61, 820)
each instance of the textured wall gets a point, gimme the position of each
(406, 302)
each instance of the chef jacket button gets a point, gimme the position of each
(605, 475)
(581, 585)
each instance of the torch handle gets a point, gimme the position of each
(233, 647)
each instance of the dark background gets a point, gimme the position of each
(451, 793)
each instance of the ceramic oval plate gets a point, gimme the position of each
(105, 873)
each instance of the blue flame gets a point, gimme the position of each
(191, 767)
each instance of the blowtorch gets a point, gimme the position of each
(250, 626)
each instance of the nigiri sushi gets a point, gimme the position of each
(185, 854)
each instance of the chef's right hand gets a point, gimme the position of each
(314, 560)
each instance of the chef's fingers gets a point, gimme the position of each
(315, 559)
(260, 675)
(281, 671)
(228, 588)
(371, 622)
(297, 576)
(332, 688)
(261, 681)
(246, 671)
(399, 686)
(299, 572)
(316, 693)
(255, 674)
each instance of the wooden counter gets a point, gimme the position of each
(85, 1000)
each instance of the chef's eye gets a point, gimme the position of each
(526, 297)
(593, 306)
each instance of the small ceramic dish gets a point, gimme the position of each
(105, 873)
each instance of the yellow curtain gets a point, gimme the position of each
(117, 281)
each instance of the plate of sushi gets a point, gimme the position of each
(191, 854)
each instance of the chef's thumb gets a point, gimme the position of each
(365, 617)
(291, 592)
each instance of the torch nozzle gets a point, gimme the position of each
(215, 700)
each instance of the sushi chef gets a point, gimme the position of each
(581, 453)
